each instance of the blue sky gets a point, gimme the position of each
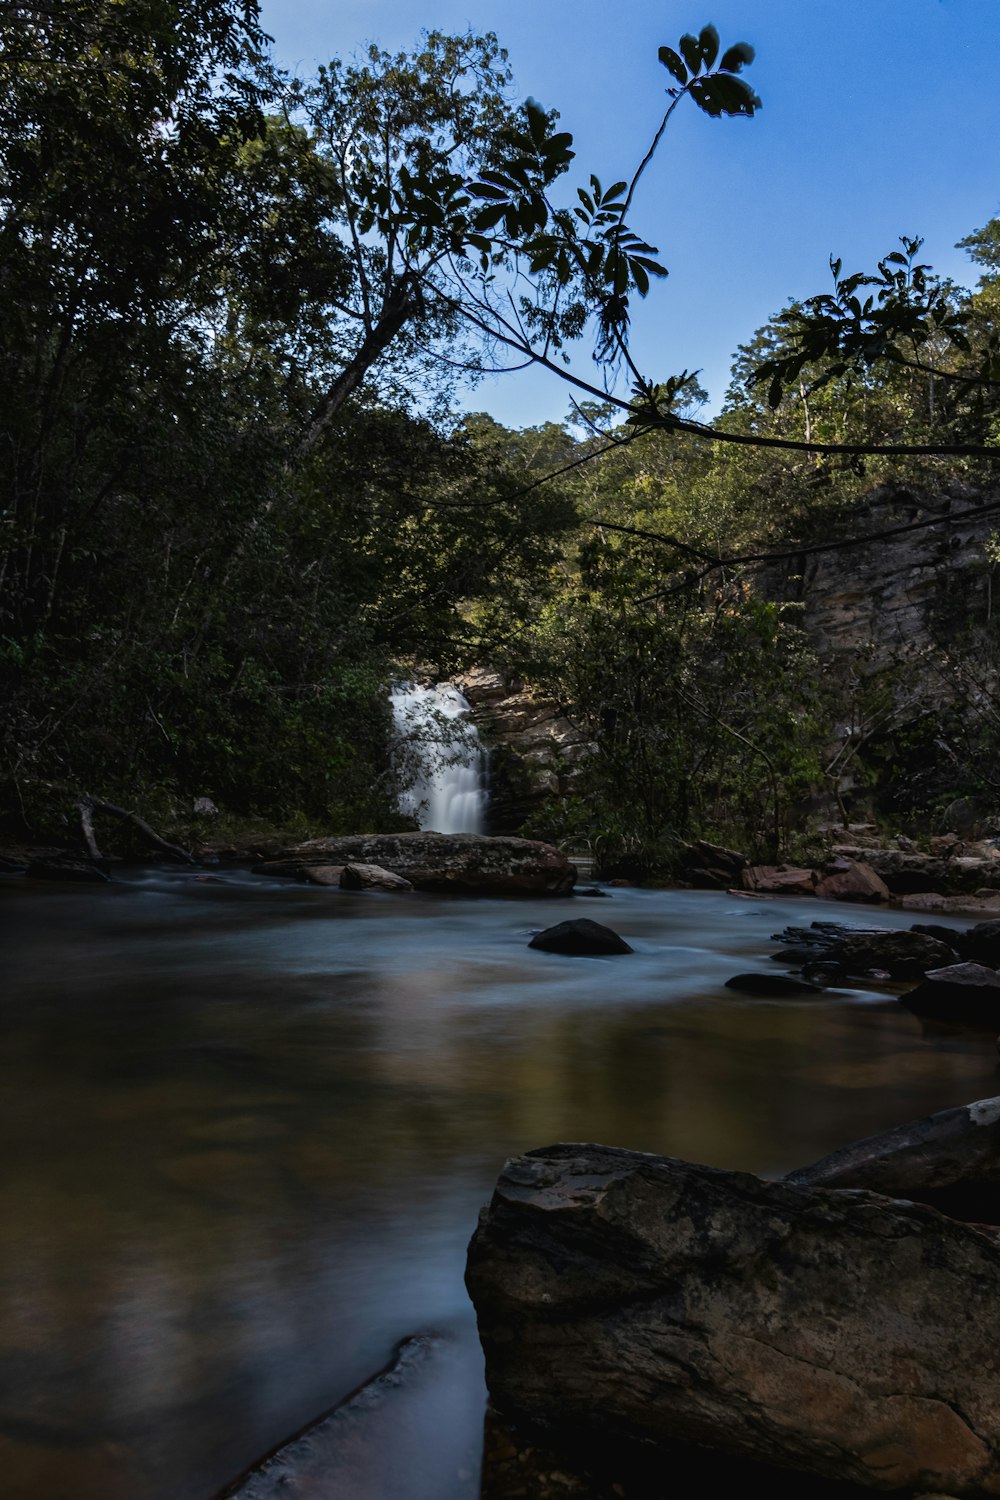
(880, 118)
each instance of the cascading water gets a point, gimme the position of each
(443, 762)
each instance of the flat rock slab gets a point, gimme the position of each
(372, 878)
(375, 1445)
(580, 937)
(626, 1298)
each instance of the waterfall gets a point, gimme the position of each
(442, 761)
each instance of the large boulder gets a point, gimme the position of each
(965, 993)
(779, 880)
(638, 1302)
(459, 862)
(950, 1160)
(851, 880)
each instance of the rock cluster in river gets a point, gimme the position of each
(953, 875)
(462, 863)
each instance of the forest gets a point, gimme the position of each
(240, 497)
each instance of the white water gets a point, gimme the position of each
(441, 758)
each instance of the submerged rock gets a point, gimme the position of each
(772, 984)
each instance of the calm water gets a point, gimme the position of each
(245, 1131)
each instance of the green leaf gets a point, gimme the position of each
(708, 41)
(639, 277)
(723, 94)
(669, 58)
(735, 58)
(692, 52)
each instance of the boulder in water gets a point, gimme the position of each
(967, 993)
(580, 937)
(635, 1302)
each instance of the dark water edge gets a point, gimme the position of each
(246, 1130)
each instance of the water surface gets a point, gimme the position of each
(246, 1129)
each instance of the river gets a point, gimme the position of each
(246, 1129)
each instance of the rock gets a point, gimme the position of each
(710, 866)
(966, 992)
(321, 874)
(784, 880)
(66, 867)
(580, 936)
(590, 890)
(851, 880)
(204, 807)
(982, 944)
(950, 1160)
(464, 863)
(627, 1300)
(901, 955)
(372, 878)
(772, 984)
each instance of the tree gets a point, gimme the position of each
(446, 204)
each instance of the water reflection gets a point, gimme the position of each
(246, 1130)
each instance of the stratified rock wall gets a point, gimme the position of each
(535, 749)
(876, 603)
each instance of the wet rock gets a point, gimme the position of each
(950, 1160)
(968, 993)
(372, 878)
(776, 985)
(375, 1444)
(627, 1299)
(982, 944)
(900, 955)
(580, 936)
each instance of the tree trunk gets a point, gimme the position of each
(402, 302)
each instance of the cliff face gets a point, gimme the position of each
(871, 605)
(902, 617)
(534, 748)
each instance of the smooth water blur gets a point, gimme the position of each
(246, 1130)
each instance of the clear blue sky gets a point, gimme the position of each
(880, 118)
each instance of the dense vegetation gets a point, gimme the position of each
(232, 306)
